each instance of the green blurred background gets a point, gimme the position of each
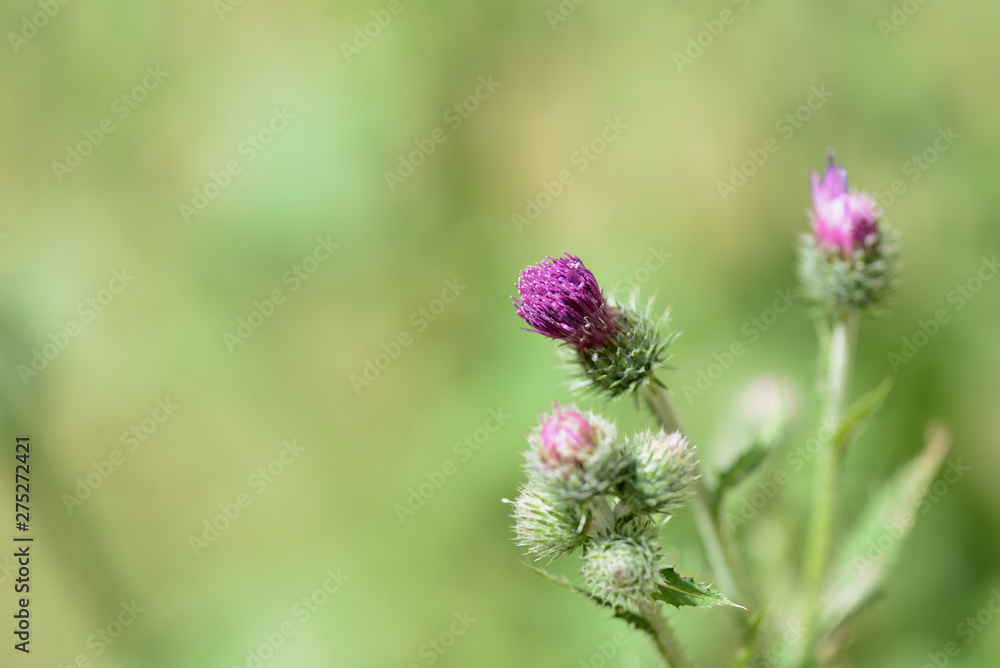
(683, 126)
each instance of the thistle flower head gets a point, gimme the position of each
(842, 219)
(573, 457)
(625, 572)
(561, 299)
(566, 437)
(850, 262)
(664, 470)
(617, 347)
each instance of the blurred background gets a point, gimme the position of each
(255, 308)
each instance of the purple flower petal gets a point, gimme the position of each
(561, 299)
(842, 219)
(566, 437)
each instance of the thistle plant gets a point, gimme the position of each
(611, 496)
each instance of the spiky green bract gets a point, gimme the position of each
(547, 528)
(624, 363)
(624, 571)
(864, 280)
(636, 526)
(664, 470)
(574, 482)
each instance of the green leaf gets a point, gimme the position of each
(558, 580)
(874, 545)
(637, 621)
(859, 414)
(679, 591)
(742, 468)
(751, 458)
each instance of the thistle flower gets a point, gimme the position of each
(664, 470)
(561, 299)
(849, 262)
(625, 572)
(842, 219)
(617, 347)
(573, 457)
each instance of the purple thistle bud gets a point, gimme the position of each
(842, 219)
(566, 437)
(561, 299)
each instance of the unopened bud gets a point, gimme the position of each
(545, 527)
(625, 572)
(664, 470)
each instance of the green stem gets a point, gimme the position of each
(666, 641)
(721, 554)
(828, 471)
(663, 406)
(712, 540)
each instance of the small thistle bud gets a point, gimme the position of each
(664, 470)
(849, 262)
(573, 456)
(548, 529)
(617, 347)
(566, 437)
(624, 572)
